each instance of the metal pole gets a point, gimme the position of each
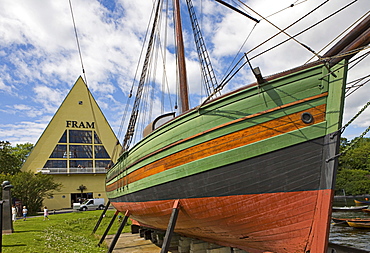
(101, 217)
(108, 228)
(119, 231)
(171, 227)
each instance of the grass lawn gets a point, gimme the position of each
(69, 232)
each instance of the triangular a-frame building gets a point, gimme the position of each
(76, 147)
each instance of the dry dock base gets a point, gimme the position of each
(133, 243)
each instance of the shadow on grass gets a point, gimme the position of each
(27, 231)
(14, 245)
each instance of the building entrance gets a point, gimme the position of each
(80, 197)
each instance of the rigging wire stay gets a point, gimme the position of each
(97, 128)
(281, 30)
(356, 116)
(353, 143)
(234, 72)
(237, 10)
(339, 35)
(78, 43)
(290, 6)
(135, 110)
(206, 66)
(208, 74)
(286, 28)
(236, 69)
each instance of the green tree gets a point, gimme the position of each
(31, 188)
(354, 182)
(9, 163)
(21, 152)
(354, 167)
(358, 156)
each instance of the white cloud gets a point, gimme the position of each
(40, 60)
(48, 97)
(4, 87)
(23, 132)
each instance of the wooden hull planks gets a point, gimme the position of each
(251, 171)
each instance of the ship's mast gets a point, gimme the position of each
(183, 83)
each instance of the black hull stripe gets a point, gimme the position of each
(295, 168)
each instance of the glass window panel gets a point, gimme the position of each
(60, 151)
(96, 139)
(79, 136)
(56, 164)
(80, 151)
(101, 163)
(81, 164)
(100, 152)
(64, 137)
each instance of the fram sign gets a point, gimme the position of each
(79, 124)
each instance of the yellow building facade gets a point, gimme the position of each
(75, 148)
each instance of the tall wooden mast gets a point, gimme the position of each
(183, 83)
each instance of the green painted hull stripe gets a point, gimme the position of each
(228, 157)
(223, 131)
(242, 103)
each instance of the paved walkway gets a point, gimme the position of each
(132, 243)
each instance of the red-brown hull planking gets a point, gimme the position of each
(271, 222)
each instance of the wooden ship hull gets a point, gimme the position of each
(252, 169)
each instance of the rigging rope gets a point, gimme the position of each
(232, 63)
(341, 130)
(91, 100)
(357, 86)
(282, 31)
(230, 75)
(354, 142)
(225, 81)
(342, 55)
(356, 116)
(164, 55)
(339, 35)
(347, 53)
(126, 110)
(78, 43)
(359, 59)
(290, 6)
(135, 110)
(303, 31)
(208, 74)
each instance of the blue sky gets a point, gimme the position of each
(39, 61)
